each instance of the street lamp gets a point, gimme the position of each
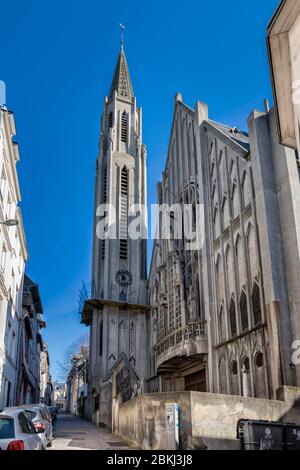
(10, 222)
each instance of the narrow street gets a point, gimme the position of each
(72, 433)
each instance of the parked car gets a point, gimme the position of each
(41, 420)
(17, 431)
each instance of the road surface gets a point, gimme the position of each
(72, 433)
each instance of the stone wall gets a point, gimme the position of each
(207, 420)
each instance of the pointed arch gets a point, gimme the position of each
(246, 187)
(235, 201)
(222, 324)
(256, 304)
(244, 311)
(232, 318)
(246, 383)
(252, 251)
(259, 374)
(230, 269)
(222, 376)
(225, 212)
(216, 223)
(234, 377)
(241, 268)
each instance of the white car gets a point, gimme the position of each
(41, 421)
(17, 432)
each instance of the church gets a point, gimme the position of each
(209, 324)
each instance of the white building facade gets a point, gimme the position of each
(13, 254)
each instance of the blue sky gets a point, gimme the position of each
(57, 59)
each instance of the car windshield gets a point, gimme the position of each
(32, 414)
(7, 428)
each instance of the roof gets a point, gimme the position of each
(121, 82)
(32, 288)
(240, 137)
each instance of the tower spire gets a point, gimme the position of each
(121, 82)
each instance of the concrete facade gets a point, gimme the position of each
(207, 421)
(237, 300)
(117, 309)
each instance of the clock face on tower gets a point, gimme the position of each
(124, 278)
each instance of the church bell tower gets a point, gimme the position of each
(117, 310)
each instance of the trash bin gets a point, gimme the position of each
(291, 437)
(260, 435)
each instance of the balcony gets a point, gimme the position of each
(187, 341)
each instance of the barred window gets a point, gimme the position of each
(123, 215)
(104, 187)
(110, 120)
(124, 127)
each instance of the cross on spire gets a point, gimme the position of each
(122, 29)
(121, 82)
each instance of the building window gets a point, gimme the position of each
(96, 403)
(101, 337)
(232, 316)
(259, 360)
(123, 215)
(124, 127)
(222, 325)
(104, 187)
(256, 304)
(102, 248)
(234, 368)
(110, 120)
(244, 312)
(246, 384)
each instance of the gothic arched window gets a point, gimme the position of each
(110, 119)
(244, 312)
(123, 214)
(222, 325)
(256, 305)
(104, 187)
(124, 126)
(232, 316)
